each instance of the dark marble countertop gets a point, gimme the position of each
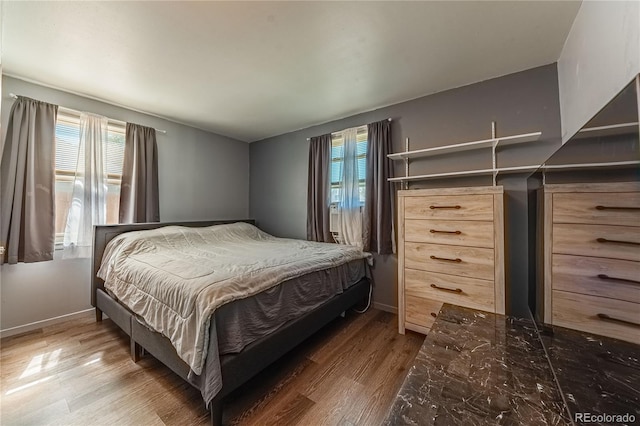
(477, 368)
(597, 375)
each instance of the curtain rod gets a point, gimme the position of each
(14, 96)
(388, 119)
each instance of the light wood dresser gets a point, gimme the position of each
(592, 258)
(450, 250)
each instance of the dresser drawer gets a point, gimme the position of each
(621, 208)
(420, 312)
(470, 292)
(471, 262)
(450, 207)
(454, 232)
(615, 242)
(580, 312)
(612, 278)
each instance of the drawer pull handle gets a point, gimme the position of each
(616, 208)
(606, 317)
(607, 277)
(435, 231)
(451, 290)
(445, 207)
(433, 314)
(445, 259)
(604, 240)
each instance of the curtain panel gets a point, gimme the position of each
(139, 201)
(318, 189)
(90, 185)
(349, 192)
(379, 234)
(27, 171)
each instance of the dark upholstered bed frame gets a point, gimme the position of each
(236, 368)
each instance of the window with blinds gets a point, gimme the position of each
(67, 156)
(337, 162)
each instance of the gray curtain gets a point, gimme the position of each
(319, 189)
(378, 232)
(27, 171)
(139, 190)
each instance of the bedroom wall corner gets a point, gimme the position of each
(202, 176)
(526, 101)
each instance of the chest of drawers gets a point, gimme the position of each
(592, 258)
(450, 250)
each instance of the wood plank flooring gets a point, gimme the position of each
(80, 373)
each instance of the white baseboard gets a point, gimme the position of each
(386, 308)
(44, 323)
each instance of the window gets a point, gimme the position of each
(337, 145)
(67, 143)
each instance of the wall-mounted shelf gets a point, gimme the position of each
(487, 172)
(480, 172)
(518, 169)
(610, 130)
(467, 146)
(561, 167)
(493, 143)
(577, 166)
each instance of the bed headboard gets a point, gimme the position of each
(102, 234)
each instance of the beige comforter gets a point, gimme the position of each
(175, 277)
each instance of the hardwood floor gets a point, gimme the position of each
(79, 373)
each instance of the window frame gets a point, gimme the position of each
(71, 117)
(337, 139)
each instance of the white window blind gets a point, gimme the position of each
(68, 140)
(337, 153)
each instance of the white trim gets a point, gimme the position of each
(385, 307)
(43, 323)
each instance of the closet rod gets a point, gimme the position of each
(388, 119)
(14, 96)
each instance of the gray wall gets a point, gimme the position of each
(519, 103)
(201, 176)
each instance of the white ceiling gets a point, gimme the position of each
(250, 70)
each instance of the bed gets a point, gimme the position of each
(223, 361)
